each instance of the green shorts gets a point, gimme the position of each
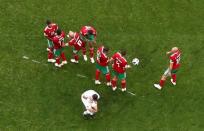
(49, 43)
(119, 75)
(103, 69)
(57, 52)
(173, 71)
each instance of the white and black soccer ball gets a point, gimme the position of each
(135, 61)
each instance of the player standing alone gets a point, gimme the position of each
(119, 69)
(89, 99)
(174, 65)
(49, 33)
(102, 65)
(59, 44)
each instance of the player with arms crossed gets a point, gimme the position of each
(79, 40)
(102, 65)
(49, 33)
(59, 45)
(174, 65)
(119, 69)
(90, 100)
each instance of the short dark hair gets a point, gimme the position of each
(105, 49)
(90, 32)
(48, 22)
(123, 52)
(95, 97)
(59, 31)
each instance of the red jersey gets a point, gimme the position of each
(175, 59)
(49, 32)
(102, 58)
(58, 41)
(119, 63)
(77, 42)
(84, 30)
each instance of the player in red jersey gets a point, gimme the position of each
(102, 65)
(78, 44)
(59, 44)
(88, 34)
(119, 69)
(174, 65)
(49, 33)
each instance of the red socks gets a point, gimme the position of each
(108, 77)
(123, 84)
(97, 74)
(161, 83)
(76, 57)
(58, 60)
(63, 56)
(113, 82)
(84, 51)
(91, 52)
(50, 55)
(173, 76)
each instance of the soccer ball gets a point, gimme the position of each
(135, 61)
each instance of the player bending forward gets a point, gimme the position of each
(49, 33)
(119, 69)
(174, 65)
(89, 99)
(89, 36)
(79, 40)
(102, 65)
(59, 45)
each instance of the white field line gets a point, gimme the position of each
(25, 57)
(35, 61)
(78, 75)
(130, 93)
(82, 76)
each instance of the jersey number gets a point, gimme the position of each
(117, 63)
(79, 42)
(178, 59)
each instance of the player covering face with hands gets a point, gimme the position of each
(174, 64)
(90, 100)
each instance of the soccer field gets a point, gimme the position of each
(35, 95)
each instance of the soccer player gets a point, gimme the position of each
(174, 65)
(119, 69)
(88, 34)
(59, 44)
(78, 44)
(49, 33)
(102, 61)
(89, 99)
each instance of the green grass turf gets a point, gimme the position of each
(39, 97)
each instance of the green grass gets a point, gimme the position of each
(39, 97)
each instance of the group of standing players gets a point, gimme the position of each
(79, 41)
(86, 37)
